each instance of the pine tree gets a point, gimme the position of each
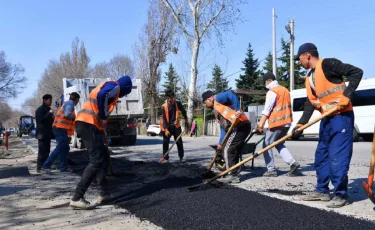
(268, 64)
(170, 82)
(250, 79)
(284, 69)
(218, 83)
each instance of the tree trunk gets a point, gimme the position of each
(193, 79)
(152, 108)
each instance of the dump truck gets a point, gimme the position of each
(122, 122)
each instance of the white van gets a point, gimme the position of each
(363, 106)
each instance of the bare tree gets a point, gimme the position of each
(6, 112)
(70, 65)
(12, 80)
(121, 65)
(155, 41)
(197, 19)
(118, 66)
(100, 70)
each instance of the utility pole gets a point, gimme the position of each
(290, 29)
(274, 67)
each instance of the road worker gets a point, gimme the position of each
(226, 108)
(170, 124)
(91, 122)
(62, 127)
(326, 90)
(278, 112)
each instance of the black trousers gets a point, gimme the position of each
(175, 132)
(233, 148)
(44, 148)
(98, 160)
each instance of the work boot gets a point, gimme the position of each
(81, 204)
(230, 179)
(316, 196)
(182, 160)
(293, 169)
(46, 171)
(100, 198)
(270, 174)
(338, 202)
(67, 170)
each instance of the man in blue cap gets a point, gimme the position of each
(91, 122)
(326, 90)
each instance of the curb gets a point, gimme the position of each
(14, 172)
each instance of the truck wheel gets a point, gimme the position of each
(124, 140)
(355, 135)
(132, 139)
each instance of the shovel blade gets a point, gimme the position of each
(368, 191)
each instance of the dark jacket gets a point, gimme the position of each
(334, 70)
(44, 120)
(172, 114)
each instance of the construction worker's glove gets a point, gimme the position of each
(219, 147)
(343, 103)
(318, 107)
(295, 133)
(259, 130)
(167, 133)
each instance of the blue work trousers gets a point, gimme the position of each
(61, 150)
(334, 152)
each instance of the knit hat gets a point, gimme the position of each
(126, 85)
(207, 94)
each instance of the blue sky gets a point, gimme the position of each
(34, 32)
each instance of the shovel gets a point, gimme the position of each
(192, 188)
(163, 158)
(222, 144)
(111, 172)
(368, 186)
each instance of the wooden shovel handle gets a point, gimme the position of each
(372, 164)
(271, 145)
(222, 144)
(178, 138)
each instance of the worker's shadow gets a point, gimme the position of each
(153, 187)
(356, 191)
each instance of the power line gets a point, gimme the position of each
(258, 61)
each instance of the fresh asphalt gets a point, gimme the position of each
(159, 194)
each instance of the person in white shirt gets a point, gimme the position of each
(278, 112)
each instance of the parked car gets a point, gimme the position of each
(153, 130)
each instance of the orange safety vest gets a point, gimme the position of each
(63, 122)
(228, 112)
(165, 105)
(281, 114)
(326, 94)
(89, 112)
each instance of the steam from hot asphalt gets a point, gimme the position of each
(159, 194)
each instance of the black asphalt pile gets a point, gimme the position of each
(158, 193)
